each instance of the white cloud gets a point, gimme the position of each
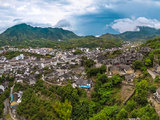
(131, 24)
(50, 12)
(43, 11)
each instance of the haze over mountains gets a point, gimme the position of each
(23, 33)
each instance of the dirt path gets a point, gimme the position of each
(89, 92)
(52, 83)
(126, 92)
(152, 73)
(156, 105)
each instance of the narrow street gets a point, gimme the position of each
(12, 116)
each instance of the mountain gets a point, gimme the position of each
(24, 35)
(93, 42)
(23, 32)
(143, 34)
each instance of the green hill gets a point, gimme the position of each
(153, 43)
(93, 42)
(143, 34)
(26, 34)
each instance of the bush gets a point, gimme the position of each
(122, 115)
(156, 79)
(94, 71)
(78, 51)
(148, 62)
(153, 88)
(138, 64)
(130, 105)
(141, 92)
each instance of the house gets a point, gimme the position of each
(157, 95)
(83, 83)
(1, 71)
(1, 89)
(157, 69)
(129, 77)
(3, 59)
(127, 69)
(5, 84)
(120, 69)
(20, 57)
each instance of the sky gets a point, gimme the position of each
(84, 17)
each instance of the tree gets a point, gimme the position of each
(102, 78)
(153, 88)
(130, 105)
(89, 63)
(156, 79)
(115, 79)
(107, 113)
(102, 69)
(138, 64)
(134, 114)
(148, 62)
(81, 110)
(78, 51)
(64, 110)
(69, 93)
(92, 72)
(122, 115)
(142, 92)
(95, 71)
(147, 113)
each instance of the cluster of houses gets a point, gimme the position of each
(63, 65)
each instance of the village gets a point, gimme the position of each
(65, 65)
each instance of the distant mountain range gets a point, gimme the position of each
(143, 34)
(23, 34)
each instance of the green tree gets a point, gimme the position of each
(102, 69)
(138, 65)
(89, 63)
(148, 62)
(147, 113)
(64, 110)
(142, 92)
(130, 105)
(122, 115)
(153, 88)
(78, 51)
(107, 113)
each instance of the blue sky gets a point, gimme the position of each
(84, 17)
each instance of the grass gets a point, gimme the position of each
(8, 117)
